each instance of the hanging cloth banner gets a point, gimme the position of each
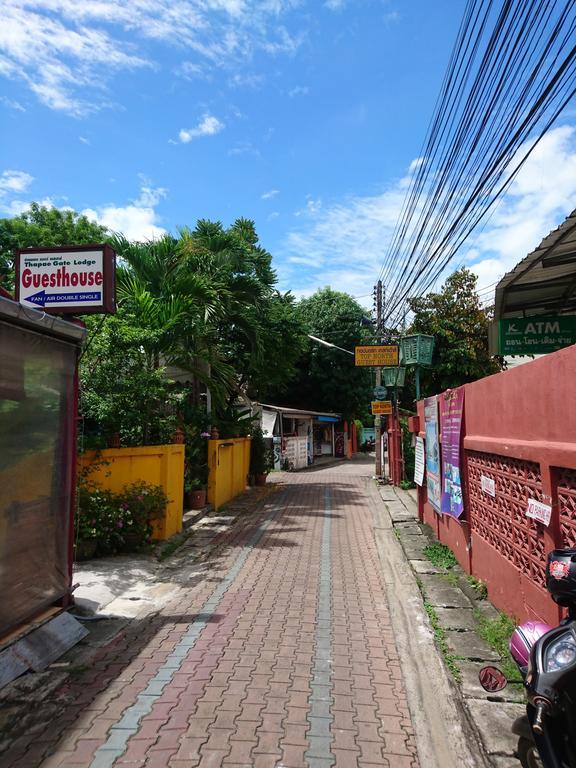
(433, 483)
(451, 409)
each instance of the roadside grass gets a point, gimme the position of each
(478, 586)
(440, 555)
(452, 578)
(496, 632)
(442, 645)
(440, 636)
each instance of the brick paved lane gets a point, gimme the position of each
(284, 657)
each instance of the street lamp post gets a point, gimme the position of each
(329, 344)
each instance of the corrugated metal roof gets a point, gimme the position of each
(38, 320)
(545, 281)
(298, 411)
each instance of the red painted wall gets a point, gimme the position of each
(520, 431)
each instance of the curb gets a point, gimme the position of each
(453, 601)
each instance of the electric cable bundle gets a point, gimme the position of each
(511, 74)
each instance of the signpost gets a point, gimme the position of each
(380, 393)
(381, 407)
(536, 335)
(376, 355)
(73, 279)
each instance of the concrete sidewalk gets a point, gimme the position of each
(457, 606)
(294, 638)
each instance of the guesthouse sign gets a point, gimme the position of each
(376, 355)
(71, 279)
(381, 407)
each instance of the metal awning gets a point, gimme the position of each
(37, 320)
(544, 283)
(299, 413)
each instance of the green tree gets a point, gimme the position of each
(256, 331)
(122, 390)
(459, 323)
(210, 298)
(326, 378)
(41, 226)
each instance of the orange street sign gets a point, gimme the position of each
(381, 407)
(376, 355)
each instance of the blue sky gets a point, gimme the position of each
(304, 116)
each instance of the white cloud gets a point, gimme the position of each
(391, 17)
(312, 207)
(299, 90)
(66, 51)
(244, 148)
(15, 207)
(415, 164)
(11, 103)
(83, 140)
(138, 220)
(15, 181)
(344, 243)
(241, 80)
(539, 199)
(273, 215)
(208, 126)
(269, 195)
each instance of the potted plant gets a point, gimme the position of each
(261, 458)
(196, 468)
(195, 493)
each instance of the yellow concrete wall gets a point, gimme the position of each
(229, 464)
(155, 464)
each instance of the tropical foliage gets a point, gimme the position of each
(459, 324)
(117, 522)
(327, 379)
(200, 326)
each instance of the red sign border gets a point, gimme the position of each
(108, 305)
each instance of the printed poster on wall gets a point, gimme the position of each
(452, 406)
(419, 462)
(433, 483)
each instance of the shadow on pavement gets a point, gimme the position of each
(36, 721)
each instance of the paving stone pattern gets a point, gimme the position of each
(283, 655)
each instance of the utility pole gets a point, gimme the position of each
(377, 417)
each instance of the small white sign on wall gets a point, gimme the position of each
(420, 462)
(488, 485)
(538, 511)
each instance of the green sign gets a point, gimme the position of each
(536, 335)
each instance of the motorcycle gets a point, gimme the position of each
(546, 658)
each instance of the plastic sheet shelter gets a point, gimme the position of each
(38, 356)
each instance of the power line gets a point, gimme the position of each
(510, 75)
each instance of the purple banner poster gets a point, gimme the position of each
(452, 406)
(433, 484)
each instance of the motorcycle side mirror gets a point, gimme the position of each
(492, 679)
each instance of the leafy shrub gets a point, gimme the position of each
(261, 455)
(118, 522)
(408, 451)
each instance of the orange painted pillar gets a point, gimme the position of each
(394, 449)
